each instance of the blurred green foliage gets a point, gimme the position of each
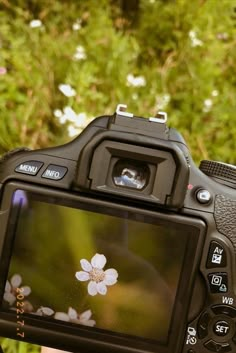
(183, 51)
(178, 56)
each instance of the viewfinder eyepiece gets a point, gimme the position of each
(131, 174)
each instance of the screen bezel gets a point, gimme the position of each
(64, 336)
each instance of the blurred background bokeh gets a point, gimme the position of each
(62, 63)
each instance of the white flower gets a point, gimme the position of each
(35, 23)
(73, 316)
(93, 272)
(58, 113)
(80, 53)
(73, 131)
(77, 25)
(44, 311)
(215, 93)
(207, 105)
(138, 81)
(134, 96)
(195, 42)
(162, 101)
(12, 289)
(67, 90)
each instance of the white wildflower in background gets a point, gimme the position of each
(77, 122)
(80, 53)
(162, 101)
(35, 23)
(11, 289)
(215, 93)
(135, 81)
(77, 25)
(97, 277)
(44, 311)
(73, 131)
(73, 316)
(207, 105)
(134, 96)
(195, 42)
(67, 90)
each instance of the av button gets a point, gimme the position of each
(221, 328)
(216, 256)
(29, 167)
(55, 172)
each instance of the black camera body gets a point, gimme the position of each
(125, 194)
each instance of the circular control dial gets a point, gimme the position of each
(222, 172)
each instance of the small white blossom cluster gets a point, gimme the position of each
(72, 316)
(162, 101)
(11, 293)
(77, 25)
(11, 289)
(208, 103)
(35, 23)
(80, 53)
(195, 42)
(135, 81)
(76, 122)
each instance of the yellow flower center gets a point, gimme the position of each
(97, 275)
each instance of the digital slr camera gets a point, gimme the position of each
(117, 243)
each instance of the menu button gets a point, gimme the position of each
(29, 167)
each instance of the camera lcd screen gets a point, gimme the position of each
(105, 269)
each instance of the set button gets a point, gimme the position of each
(216, 256)
(221, 328)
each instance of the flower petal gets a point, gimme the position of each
(109, 280)
(62, 316)
(86, 266)
(85, 315)
(101, 288)
(26, 290)
(16, 281)
(90, 323)
(9, 297)
(7, 286)
(111, 272)
(82, 276)
(98, 261)
(92, 288)
(47, 311)
(72, 313)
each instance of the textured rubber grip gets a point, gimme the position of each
(225, 217)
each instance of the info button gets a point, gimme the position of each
(55, 172)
